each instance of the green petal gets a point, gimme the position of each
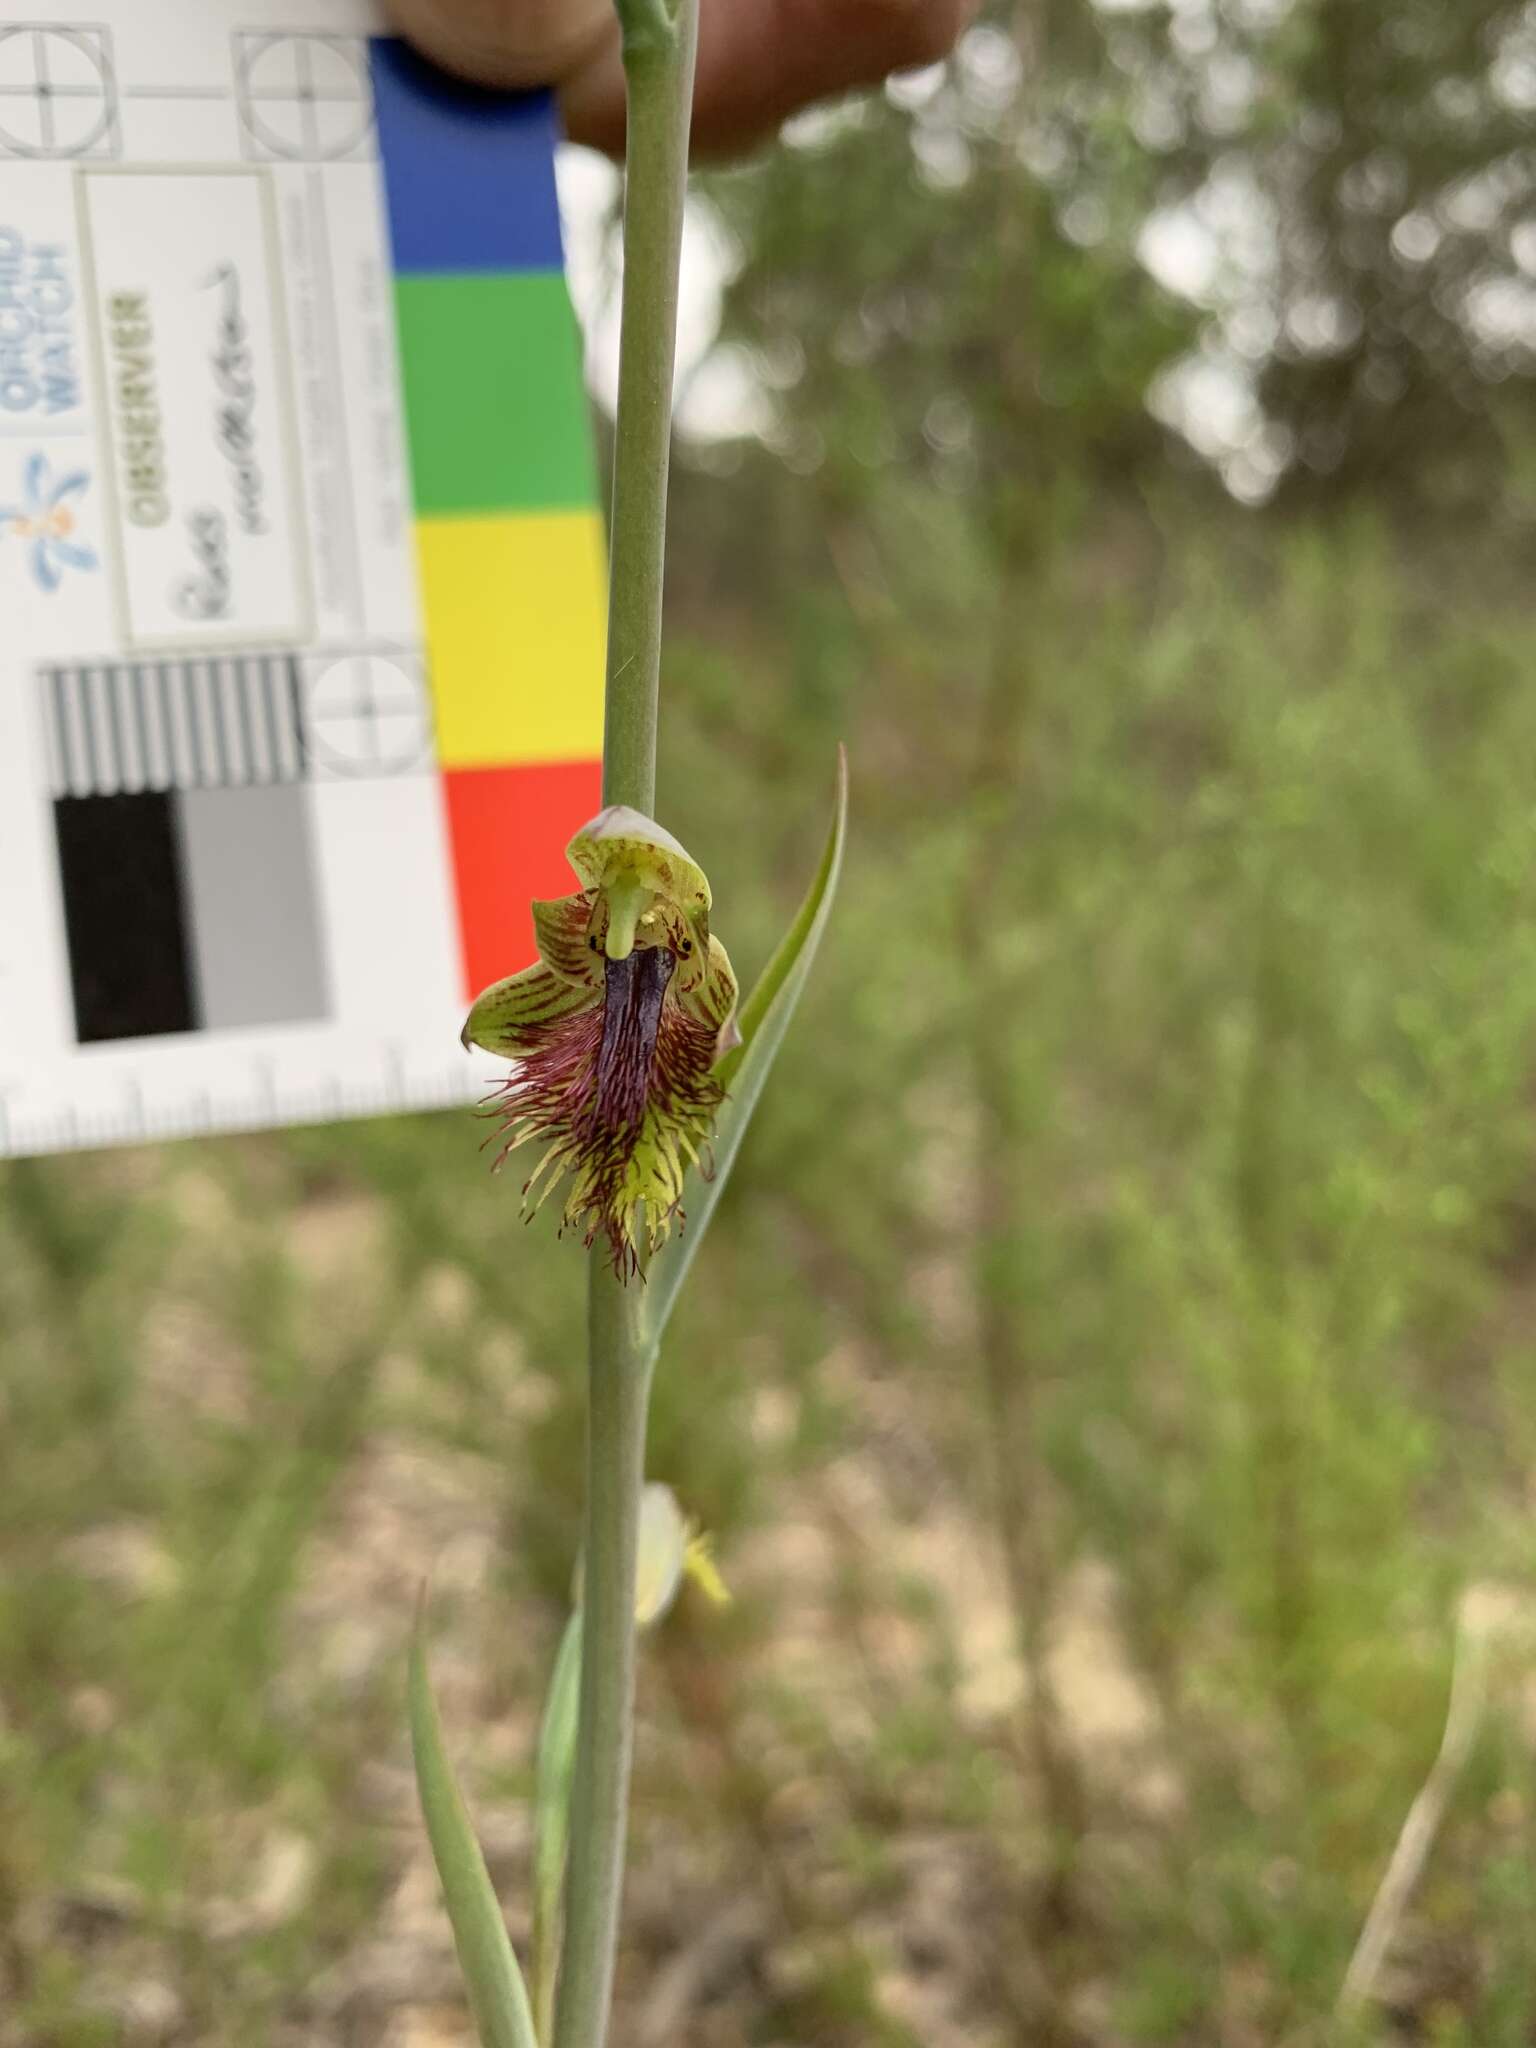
(705, 986)
(508, 1016)
(620, 841)
(563, 927)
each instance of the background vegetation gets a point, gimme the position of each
(1110, 1375)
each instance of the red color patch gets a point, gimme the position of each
(509, 828)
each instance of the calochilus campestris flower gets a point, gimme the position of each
(616, 1031)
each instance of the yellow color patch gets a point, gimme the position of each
(515, 607)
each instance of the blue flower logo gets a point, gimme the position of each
(47, 520)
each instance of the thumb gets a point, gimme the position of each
(509, 42)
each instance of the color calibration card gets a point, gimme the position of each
(300, 566)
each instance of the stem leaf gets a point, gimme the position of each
(763, 1020)
(497, 1997)
(553, 1777)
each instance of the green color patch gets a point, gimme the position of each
(496, 410)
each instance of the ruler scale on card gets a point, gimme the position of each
(300, 567)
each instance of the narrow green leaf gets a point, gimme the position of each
(552, 1819)
(497, 1996)
(764, 1018)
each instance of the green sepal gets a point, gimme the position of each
(651, 890)
(620, 840)
(497, 1995)
(508, 1015)
(763, 1019)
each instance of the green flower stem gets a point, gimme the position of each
(618, 1390)
(658, 66)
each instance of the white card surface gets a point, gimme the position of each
(300, 567)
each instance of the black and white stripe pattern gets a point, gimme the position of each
(209, 722)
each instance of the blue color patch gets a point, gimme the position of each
(469, 175)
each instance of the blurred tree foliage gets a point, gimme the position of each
(943, 284)
(1342, 192)
(1373, 167)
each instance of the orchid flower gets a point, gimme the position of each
(616, 1031)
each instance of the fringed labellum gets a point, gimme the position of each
(616, 1031)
